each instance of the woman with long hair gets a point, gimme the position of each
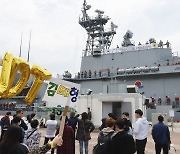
(11, 142)
(127, 127)
(85, 127)
(29, 118)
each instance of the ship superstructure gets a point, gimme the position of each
(105, 70)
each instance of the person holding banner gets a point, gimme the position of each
(63, 92)
(85, 127)
(68, 139)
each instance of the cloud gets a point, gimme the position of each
(57, 38)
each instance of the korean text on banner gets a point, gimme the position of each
(58, 91)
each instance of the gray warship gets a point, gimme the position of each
(151, 67)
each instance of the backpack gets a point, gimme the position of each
(103, 142)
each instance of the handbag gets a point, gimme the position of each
(31, 134)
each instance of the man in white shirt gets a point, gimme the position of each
(140, 132)
(51, 129)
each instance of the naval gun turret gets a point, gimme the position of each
(98, 39)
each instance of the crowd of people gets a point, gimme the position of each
(23, 137)
(116, 135)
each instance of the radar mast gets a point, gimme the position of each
(98, 39)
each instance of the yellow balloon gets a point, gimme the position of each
(10, 66)
(23, 67)
(40, 74)
(5, 83)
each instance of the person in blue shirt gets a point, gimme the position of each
(72, 121)
(161, 136)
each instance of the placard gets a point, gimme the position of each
(60, 92)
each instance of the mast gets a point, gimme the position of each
(29, 46)
(98, 39)
(20, 45)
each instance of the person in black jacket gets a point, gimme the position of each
(5, 123)
(121, 143)
(104, 137)
(20, 114)
(126, 115)
(161, 136)
(103, 125)
(85, 127)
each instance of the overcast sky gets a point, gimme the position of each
(58, 40)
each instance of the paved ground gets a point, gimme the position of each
(175, 138)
